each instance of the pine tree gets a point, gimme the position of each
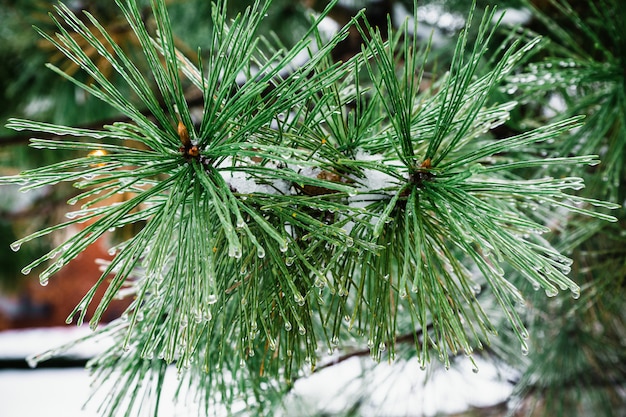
(330, 204)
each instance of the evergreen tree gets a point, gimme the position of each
(295, 209)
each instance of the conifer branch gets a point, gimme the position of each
(306, 205)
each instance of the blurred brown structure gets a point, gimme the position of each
(34, 305)
(49, 306)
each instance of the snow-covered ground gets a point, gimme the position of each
(44, 392)
(397, 389)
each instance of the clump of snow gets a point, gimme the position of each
(513, 17)
(375, 181)
(401, 388)
(244, 183)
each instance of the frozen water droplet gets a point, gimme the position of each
(349, 242)
(197, 317)
(298, 299)
(288, 326)
(575, 293)
(211, 299)
(283, 246)
(476, 168)
(15, 246)
(260, 253)
(43, 282)
(475, 369)
(525, 350)
(302, 330)
(31, 361)
(551, 291)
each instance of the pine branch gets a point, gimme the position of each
(584, 69)
(304, 207)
